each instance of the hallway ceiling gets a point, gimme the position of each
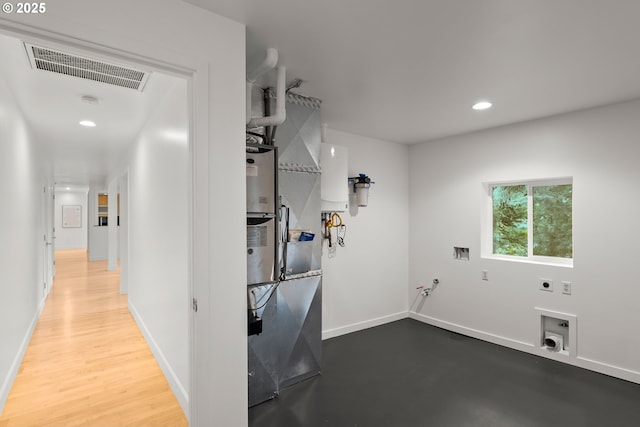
(52, 106)
(408, 71)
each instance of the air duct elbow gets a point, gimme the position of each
(267, 64)
(280, 114)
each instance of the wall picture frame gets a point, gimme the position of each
(71, 216)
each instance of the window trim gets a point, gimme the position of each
(486, 237)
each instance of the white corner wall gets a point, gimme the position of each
(599, 149)
(21, 242)
(179, 34)
(71, 238)
(159, 291)
(364, 284)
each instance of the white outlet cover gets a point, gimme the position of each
(566, 288)
(546, 285)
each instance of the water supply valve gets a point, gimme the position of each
(424, 292)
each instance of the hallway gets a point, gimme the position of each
(87, 363)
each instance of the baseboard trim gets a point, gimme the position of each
(475, 333)
(175, 384)
(607, 369)
(581, 362)
(354, 327)
(17, 360)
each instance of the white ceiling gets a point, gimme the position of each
(408, 71)
(52, 106)
(404, 71)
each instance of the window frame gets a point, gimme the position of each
(487, 235)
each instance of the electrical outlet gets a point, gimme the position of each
(546, 285)
(566, 288)
(485, 275)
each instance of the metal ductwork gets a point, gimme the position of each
(68, 64)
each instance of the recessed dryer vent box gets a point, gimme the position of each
(461, 253)
(556, 334)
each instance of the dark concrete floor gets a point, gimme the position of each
(407, 373)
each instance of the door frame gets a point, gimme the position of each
(195, 72)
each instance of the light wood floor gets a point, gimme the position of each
(87, 363)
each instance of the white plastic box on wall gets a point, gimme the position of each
(334, 189)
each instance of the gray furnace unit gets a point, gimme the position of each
(261, 214)
(286, 308)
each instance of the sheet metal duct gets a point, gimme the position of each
(289, 348)
(299, 329)
(263, 349)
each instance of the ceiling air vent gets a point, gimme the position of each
(77, 66)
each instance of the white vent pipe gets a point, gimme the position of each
(280, 113)
(267, 64)
(248, 101)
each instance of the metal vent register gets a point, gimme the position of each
(76, 66)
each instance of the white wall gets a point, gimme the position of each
(599, 148)
(21, 238)
(113, 227)
(71, 238)
(158, 271)
(364, 284)
(176, 33)
(123, 232)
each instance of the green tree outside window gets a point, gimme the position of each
(549, 233)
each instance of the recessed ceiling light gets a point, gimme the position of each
(87, 123)
(482, 105)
